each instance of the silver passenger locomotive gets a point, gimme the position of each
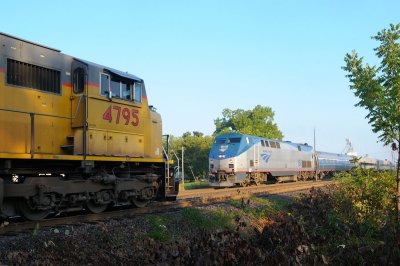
(238, 159)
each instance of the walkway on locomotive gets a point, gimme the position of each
(237, 153)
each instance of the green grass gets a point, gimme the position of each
(208, 220)
(196, 185)
(259, 206)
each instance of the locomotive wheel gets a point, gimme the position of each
(140, 203)
(26, 210)
(94, 207)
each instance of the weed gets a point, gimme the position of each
(208, 220)
(158, 229)
(35, 231)
(258, 207)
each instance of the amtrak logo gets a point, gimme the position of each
(223, 148)
(265, 156)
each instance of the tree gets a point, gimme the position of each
(197, 148)
(378, 88)
(257, 122)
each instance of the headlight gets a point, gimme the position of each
(221, 156)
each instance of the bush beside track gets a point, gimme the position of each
(351, 223)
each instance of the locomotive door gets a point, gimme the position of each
(79, 81)
(79, 106)
(256, 155)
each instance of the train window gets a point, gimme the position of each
(115, 88)
(298, 147)
(33, 76)
(262, 143)
(234, 140)
(126, 91)
(272, 144)
(104, 84)
(278, 145)
(266, 143)
(220, 141)
(137, 96)
(79, 80)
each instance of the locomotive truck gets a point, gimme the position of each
(74, 134)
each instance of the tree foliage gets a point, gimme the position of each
(196, 150)
(257, 122)
(378, 89)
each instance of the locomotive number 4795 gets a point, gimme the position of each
(130, 116)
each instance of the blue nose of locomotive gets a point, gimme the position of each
(226, 146)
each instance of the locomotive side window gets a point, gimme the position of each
(137, 97)
(120, 87)
(33, 76)
(105, 84)
(126, 91)
(79, 80)
(278, 145)
(262, 143)
(115, 88)
(272, 144)
(266, 143)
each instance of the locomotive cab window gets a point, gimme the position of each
(137, 97)
(79, 80)
(126, 90)
(220, 141)
(115, 88)
(234, 140)
(105, 87)
(120, 87)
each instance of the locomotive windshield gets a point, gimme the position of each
(234, 140)
(220, 141)
(227, 141)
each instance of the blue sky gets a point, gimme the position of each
(199, 57)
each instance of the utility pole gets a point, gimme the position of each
(183, 167)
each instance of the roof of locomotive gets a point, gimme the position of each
(109, 69)
(33, 43)
(304, 147)
(112, 70)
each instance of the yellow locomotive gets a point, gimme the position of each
(74, 133)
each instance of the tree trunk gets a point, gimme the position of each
(398, 184)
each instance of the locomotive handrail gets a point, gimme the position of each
(40, 114)
(32, 120)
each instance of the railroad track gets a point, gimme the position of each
(269, 189)
(188, 198)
